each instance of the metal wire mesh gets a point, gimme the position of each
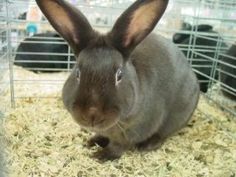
(213, 62)
(5, 64)
(206, 50)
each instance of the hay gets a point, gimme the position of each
(43, 140)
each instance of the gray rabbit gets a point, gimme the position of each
(131, 88)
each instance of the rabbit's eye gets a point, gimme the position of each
(78, 74)
(119, 75)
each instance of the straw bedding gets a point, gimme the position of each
(43, 140)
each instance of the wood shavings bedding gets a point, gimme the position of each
(43, 140)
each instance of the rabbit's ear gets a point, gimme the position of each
(68, 21)
(136, 23)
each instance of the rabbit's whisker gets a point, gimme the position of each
(122, 130)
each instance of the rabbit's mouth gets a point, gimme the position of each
(102, 127)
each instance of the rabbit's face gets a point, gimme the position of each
(98, 75)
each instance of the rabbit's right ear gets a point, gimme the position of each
(68, 21)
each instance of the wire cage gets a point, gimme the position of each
(204, 30)
(4, 52)
(40, 136)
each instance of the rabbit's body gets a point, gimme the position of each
(131, 88)
(161, 109)
(155, 68)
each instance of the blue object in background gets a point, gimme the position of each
(31, 29)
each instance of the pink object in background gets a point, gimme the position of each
(34, 14)
(73, 1)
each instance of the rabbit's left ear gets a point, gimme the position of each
(70, 23)
(136, 23)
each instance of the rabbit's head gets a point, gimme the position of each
(102, 88)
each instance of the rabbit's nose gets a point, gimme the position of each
(94, 116)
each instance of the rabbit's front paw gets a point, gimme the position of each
(111, 152)
(98, 140)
